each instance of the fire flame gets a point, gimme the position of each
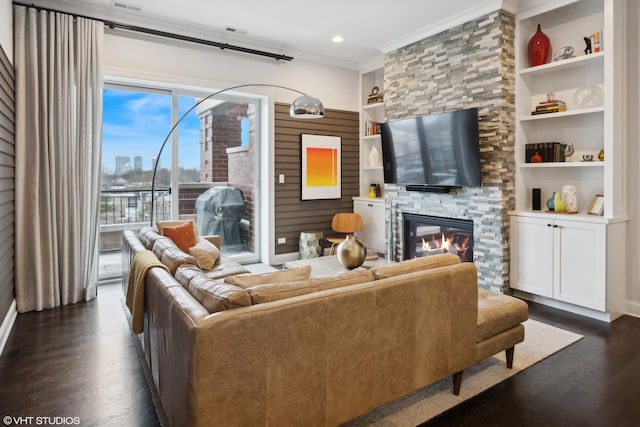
(444, 244)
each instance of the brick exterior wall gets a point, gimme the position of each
(187, 199)
(471, 65)
(242, 168)
(220, 129)
(224, 159)
(241, 175)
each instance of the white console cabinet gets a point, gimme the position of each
(372, 213)
(560, 259)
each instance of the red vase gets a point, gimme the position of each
(539, 48)
(536, 158)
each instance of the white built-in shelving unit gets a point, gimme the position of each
(371, 173)
(574, 261)
(369, 139)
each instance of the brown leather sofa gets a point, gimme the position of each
(325, 357)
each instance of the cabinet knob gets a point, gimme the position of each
(549, 225)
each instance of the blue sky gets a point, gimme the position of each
(135, 124)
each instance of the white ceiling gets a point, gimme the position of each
(298, 28)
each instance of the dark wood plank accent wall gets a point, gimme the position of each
(293, 215)
(7, 183)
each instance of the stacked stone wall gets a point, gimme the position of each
(471, 65)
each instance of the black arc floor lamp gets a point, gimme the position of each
(303, 107)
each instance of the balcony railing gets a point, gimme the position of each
(130, 210)
(133, 206)
(125, 210)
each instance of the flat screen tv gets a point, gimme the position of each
(434, 152)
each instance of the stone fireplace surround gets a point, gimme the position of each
(481, 205)
(471, 65)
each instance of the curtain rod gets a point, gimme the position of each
(121, 26)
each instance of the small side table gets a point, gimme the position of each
(310, 244)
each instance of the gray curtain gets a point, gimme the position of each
(59, 81)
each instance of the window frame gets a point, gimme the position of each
(259, 99)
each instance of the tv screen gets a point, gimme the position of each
(434, 150)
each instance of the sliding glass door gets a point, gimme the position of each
(218, 155)
(208, 170)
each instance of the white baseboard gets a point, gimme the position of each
(583, 311)
(632, 308)
(279, 259)
(7, 325)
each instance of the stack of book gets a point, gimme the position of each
(545, 152)
(596, 41)
(371, 128)
(550, 106)
(374, 99)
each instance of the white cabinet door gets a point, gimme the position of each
(372, 213)
(532, 255)
(563, 260)
(376, 230)
(360, 207)
(580, 273)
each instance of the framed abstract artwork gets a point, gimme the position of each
(321, 163)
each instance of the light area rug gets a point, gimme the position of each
(540, 341)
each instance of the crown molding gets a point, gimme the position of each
(482, 8)
(100, 11)
(372, 64)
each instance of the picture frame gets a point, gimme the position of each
(596, 207)
(321, 165)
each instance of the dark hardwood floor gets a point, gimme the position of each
(81, 361)
(594, 382)
(76, 361)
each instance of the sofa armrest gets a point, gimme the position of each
(130, 245)
(172, 315)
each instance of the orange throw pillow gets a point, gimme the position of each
(183, 236)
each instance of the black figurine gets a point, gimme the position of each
(587, 41)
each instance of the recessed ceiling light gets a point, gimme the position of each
(337, 39)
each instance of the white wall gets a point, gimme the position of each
(162, 59)
(6, 28)
(633, 157)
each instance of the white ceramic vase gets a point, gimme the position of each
(570, 198)
(374, 157)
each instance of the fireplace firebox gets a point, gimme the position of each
(426, 235)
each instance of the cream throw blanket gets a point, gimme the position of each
(141, 263)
